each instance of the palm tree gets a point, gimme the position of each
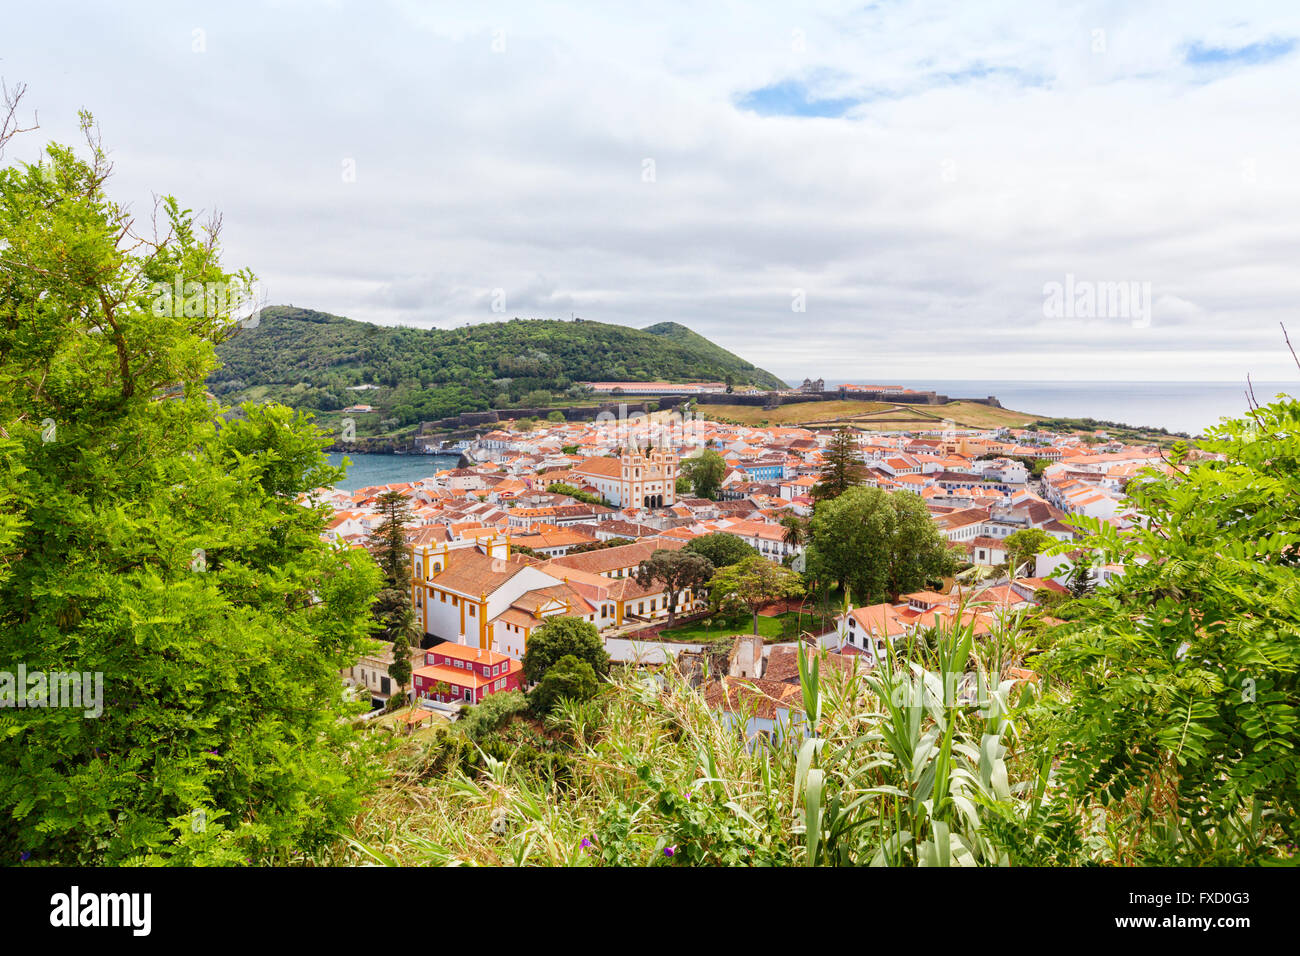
(796, 530)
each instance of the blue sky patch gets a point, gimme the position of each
(1252, 54)
(793, 98)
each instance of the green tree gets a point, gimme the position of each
(721, 548)
(796, 530)
(1180, 679)
(387, 542)
(842, 466)
(558, 637)
(705, 473)
(1078, 577)
(677, 571)
(1024, 546)
(156, 541)
(876, 544)
(750, 585)
(569, 678)
(599, 545)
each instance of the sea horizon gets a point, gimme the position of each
(1184, 406)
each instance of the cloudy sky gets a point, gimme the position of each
(863, 191)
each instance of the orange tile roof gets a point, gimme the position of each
(465, 652)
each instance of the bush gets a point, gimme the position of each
(561, 637)
(482, 719)
(570, 678)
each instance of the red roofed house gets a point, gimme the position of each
(460, 673)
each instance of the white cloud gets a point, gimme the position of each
(993, 150)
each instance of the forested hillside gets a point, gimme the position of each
(310, 359)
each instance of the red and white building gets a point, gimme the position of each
(458, 673)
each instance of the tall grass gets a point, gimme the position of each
(911, 764)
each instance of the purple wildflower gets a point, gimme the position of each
(585, 844)
(670, 850)
(27, 855)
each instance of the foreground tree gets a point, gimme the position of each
(160, 552)
(842, 466)
(876, 544)
(558, 637)
(750, 585)
(1180, 701)
(677, 571)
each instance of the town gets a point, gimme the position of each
(555, 519)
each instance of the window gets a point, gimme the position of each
(472, 610)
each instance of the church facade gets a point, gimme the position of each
(637, 479)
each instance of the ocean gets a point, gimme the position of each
(1189, 407)
(367, 470)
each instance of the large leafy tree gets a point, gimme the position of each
(159, 548)
(876, 544)
(751, 584)
(842, 466)
(1180, 691)
(721, 548)
(705, 472)
(558, 637)
(677, 571)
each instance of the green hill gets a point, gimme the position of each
(312, 359)
(701, 346)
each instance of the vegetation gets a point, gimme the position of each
(721, 548)
(894, 771)
(842, 466)
(154, 542)
(561, 637)
(677, 571)
(599, 545)
(876, 544)
(1183, 702)
(311, 360)
(1025, 546)
(570, 678)
(1135, 434)
(751, 583)
(577, 494)
(704, 473)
